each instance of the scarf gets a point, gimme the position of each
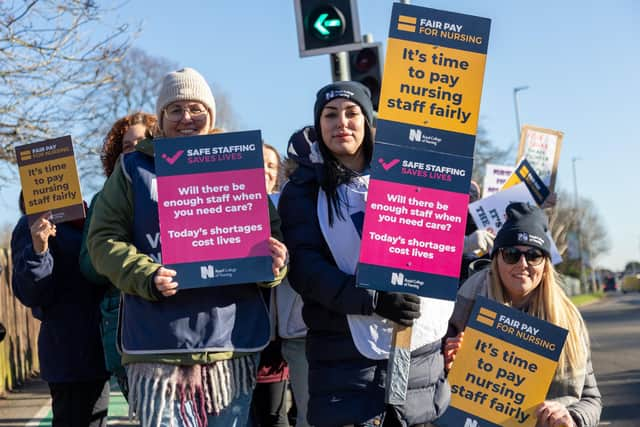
(210, 387)
(372, 334)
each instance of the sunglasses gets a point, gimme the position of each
(512, 255)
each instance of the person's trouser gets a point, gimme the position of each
(293, 351)
(234, 415)
(80, 404)
(269, 405)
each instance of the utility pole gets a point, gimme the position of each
(515, 106)
(340, 66)
(578, 228)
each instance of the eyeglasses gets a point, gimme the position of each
(175, 113)
(512, 255)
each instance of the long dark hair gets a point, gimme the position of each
(335, 173)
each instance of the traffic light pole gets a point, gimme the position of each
(340, 66)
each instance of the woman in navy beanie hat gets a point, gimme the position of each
(522, 276)
(350, 328)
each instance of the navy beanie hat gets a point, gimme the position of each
(525, 225)
(353, 91)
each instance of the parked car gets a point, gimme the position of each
(631, 282)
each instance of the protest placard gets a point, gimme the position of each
(213, 208)
(524, 172)
(504, 368)
(418, 192)
(495, 177)
(415, 221)
(428, 113)
(489, 213)
(49, 179)
(433, 72)
(541, 147)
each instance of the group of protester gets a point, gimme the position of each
(196, 357)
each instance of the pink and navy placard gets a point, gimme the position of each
(415, 221)
(425, 135)
(213, 209)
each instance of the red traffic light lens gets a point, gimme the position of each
(365, 60)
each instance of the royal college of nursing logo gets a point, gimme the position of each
(207, 272)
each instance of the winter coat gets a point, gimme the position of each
(344, 386)
(192, 327)
(69, 346)
(579, 393)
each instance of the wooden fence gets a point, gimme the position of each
(19, 349)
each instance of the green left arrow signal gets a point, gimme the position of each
(322, 23)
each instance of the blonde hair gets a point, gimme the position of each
(279, 174)
(549, 302)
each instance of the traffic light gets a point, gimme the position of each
(365, 67)
(326, 26)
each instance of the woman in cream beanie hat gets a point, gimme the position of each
(184, 85)
(191, 354)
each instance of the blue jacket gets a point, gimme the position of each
(69, 346)
(194, 326)
(344, 386)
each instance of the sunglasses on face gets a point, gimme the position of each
(512, 255)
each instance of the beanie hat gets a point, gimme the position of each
(299, 146)
(525, 225)
(185, 85)
(353, 91)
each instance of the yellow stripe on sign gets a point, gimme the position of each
(524, 170)
(404, 19)
(25, 155)
(485, 320)
(486, 312)
(405, 27)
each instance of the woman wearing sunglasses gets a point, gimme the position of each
(522, 276)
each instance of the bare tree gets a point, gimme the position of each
(137, 79)
(584, 219)
(53, 70)
(226, 117)
(486, 152)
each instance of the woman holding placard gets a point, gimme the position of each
(46, 277)
(180, 348)
(522, 276)
(349, 337)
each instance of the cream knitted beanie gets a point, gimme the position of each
(185, 85)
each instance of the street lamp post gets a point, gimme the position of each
(515, 105)
(578, 230)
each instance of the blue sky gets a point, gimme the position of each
(580, 60)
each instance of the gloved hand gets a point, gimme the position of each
(479, 240)
(398, 307)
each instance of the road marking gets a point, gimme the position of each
(40, 416)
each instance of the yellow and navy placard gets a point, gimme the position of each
(524, 172)
(504, 368)
(49, 178)
(425, 135)
(433, 75)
